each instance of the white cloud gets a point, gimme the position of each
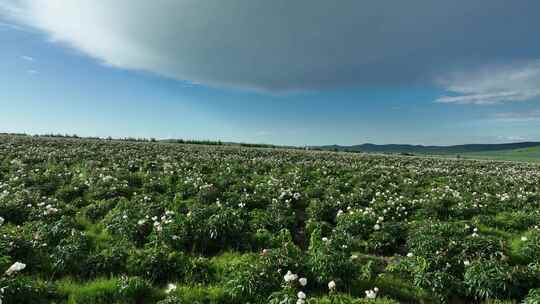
(531, 115)
(9, 26)
(493, 84)
(282, 44)
(517, 138)
(32, 72)
(27, 58)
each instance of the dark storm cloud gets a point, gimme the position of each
(284, 45)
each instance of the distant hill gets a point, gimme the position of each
(436, 150)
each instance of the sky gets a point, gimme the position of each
(304, 72)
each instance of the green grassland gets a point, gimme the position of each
(526, 155)
(522, 151)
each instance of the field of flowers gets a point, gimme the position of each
(97, 221)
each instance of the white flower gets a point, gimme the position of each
(466, 263)
(371, 294)
(299, 301)
(354, 257)
(377, 227)
(1, 221)
(340, 212)
(170, 287)
(325, 239)
(410, 255)
(524, 238)
(301, 295)
(303, 281)
(331, 285)
(289, 276)
(16, 267)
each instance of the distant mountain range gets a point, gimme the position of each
(420, 149)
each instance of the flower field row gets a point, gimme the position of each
(96, 221)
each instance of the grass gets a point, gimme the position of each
(526, 155)
(99, 291)
(107, 291)
(201, 294)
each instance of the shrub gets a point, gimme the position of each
(261, 239)
(110, 259)
(280, 216)
(488, 279)
(26, 290)
(122, 221)
(329, 259)
(255, 280)
(68, 193)
(358, 223)
(13, 207)
(135, 290)
(70, 256)
(212, 228)
(528, 247)
(387, 240)
(322, 211)
(431, 274)
(97, 210)
(158, 264)
(18, 244)
(200, 271)
(533, 297)
(511, 221)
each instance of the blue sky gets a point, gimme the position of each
(55, 81)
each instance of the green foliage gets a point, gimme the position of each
(136, 290)
(120, 221)
(70, 256)
(527, 247)
(25, 290)
(329, 259)
(533, 297)
(255, 280)
(100, 291)
(493, 279)
(344, 299)
(158, 264)
(123, 290)
(198, 295)
(97, 210)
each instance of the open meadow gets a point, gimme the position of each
(97, 221)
